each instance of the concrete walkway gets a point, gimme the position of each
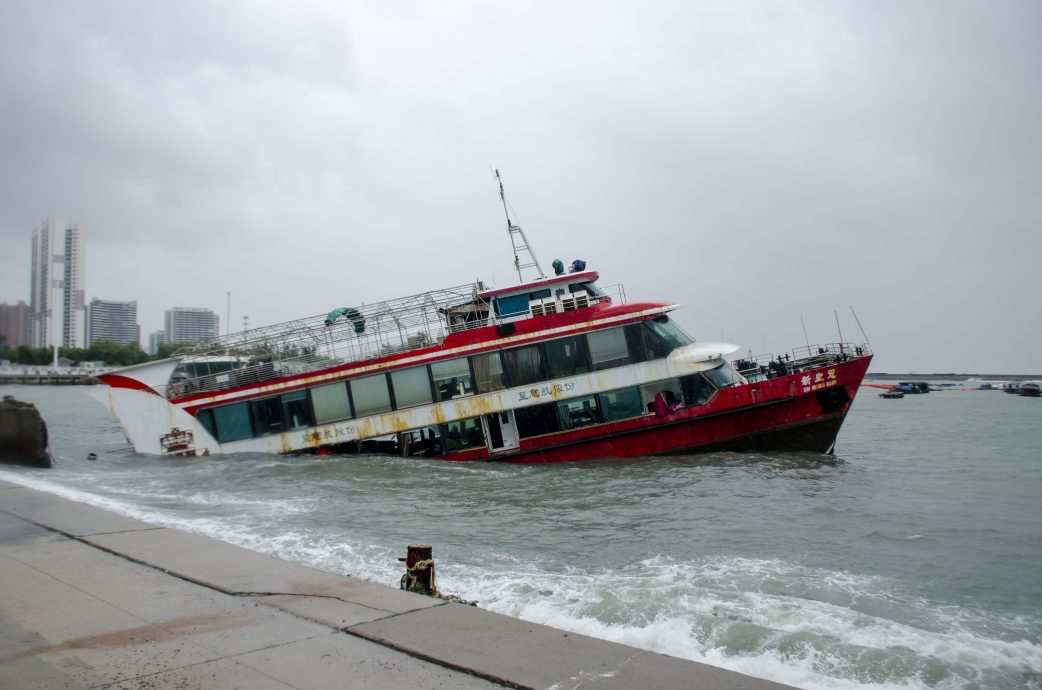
(90, 599)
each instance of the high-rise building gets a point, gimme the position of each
(114, 322)
(190, 325)
(58, 314)
(155, 339)
(14, 324)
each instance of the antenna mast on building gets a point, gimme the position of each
(518, 240)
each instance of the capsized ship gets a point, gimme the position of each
(553, 369)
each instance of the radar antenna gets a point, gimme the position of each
(518, 239)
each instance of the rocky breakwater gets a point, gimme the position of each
(23, 434)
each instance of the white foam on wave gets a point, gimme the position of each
(714, 612)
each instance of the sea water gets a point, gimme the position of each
(912, 558)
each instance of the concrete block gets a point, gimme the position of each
(342, 661)
(538, 656)
(240, 571)
(62, 514)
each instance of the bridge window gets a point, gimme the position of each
(696, 389)
(723, 376)
(662, 336)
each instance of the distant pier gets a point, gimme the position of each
(46, 379)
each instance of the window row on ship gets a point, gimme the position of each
(445, 380)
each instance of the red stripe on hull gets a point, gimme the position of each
(117, 381)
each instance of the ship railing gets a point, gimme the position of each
(614, 294)
(770, 365)
(351, 334)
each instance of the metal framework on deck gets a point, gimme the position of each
(358, 333)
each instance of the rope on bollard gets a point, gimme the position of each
(411, 583)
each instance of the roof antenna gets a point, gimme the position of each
(518, 239)
(863, 334)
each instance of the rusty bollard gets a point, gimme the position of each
(419, 570)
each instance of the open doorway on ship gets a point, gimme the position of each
(500, 431)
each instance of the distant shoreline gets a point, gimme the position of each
(952, 377)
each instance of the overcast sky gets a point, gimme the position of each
(754, 161)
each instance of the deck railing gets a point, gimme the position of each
(798, 359)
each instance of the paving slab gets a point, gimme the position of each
(61, 514)
(236, 570)
(539, 656)
(332, 612)
(331, 662)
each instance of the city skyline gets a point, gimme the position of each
(57, 312)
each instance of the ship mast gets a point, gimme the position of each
(518, 240)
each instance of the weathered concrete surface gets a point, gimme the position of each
(91, 599)
(23, 434)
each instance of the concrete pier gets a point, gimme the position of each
(91, 599)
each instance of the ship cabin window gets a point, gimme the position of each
(279, 413)
(620, 404)
(296, 410)
(670, 391)
(696, 389)
(331, 402)
(536, 420)
(488, 370)
(267, 416)
(723, 376)
(370, 395)
(589, 288)
(452, 378)
(615, 347)
(412, 387)
(461, 435)
(567, 357)
(662, 336)
(524, 365)
(511, 305)
(578, 412)
(227, 423)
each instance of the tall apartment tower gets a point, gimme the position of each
(14, 324)
(114, 322)
(58, 314)
(190, 325)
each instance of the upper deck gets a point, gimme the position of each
(369, 332)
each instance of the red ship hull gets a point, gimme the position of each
(780, 414)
